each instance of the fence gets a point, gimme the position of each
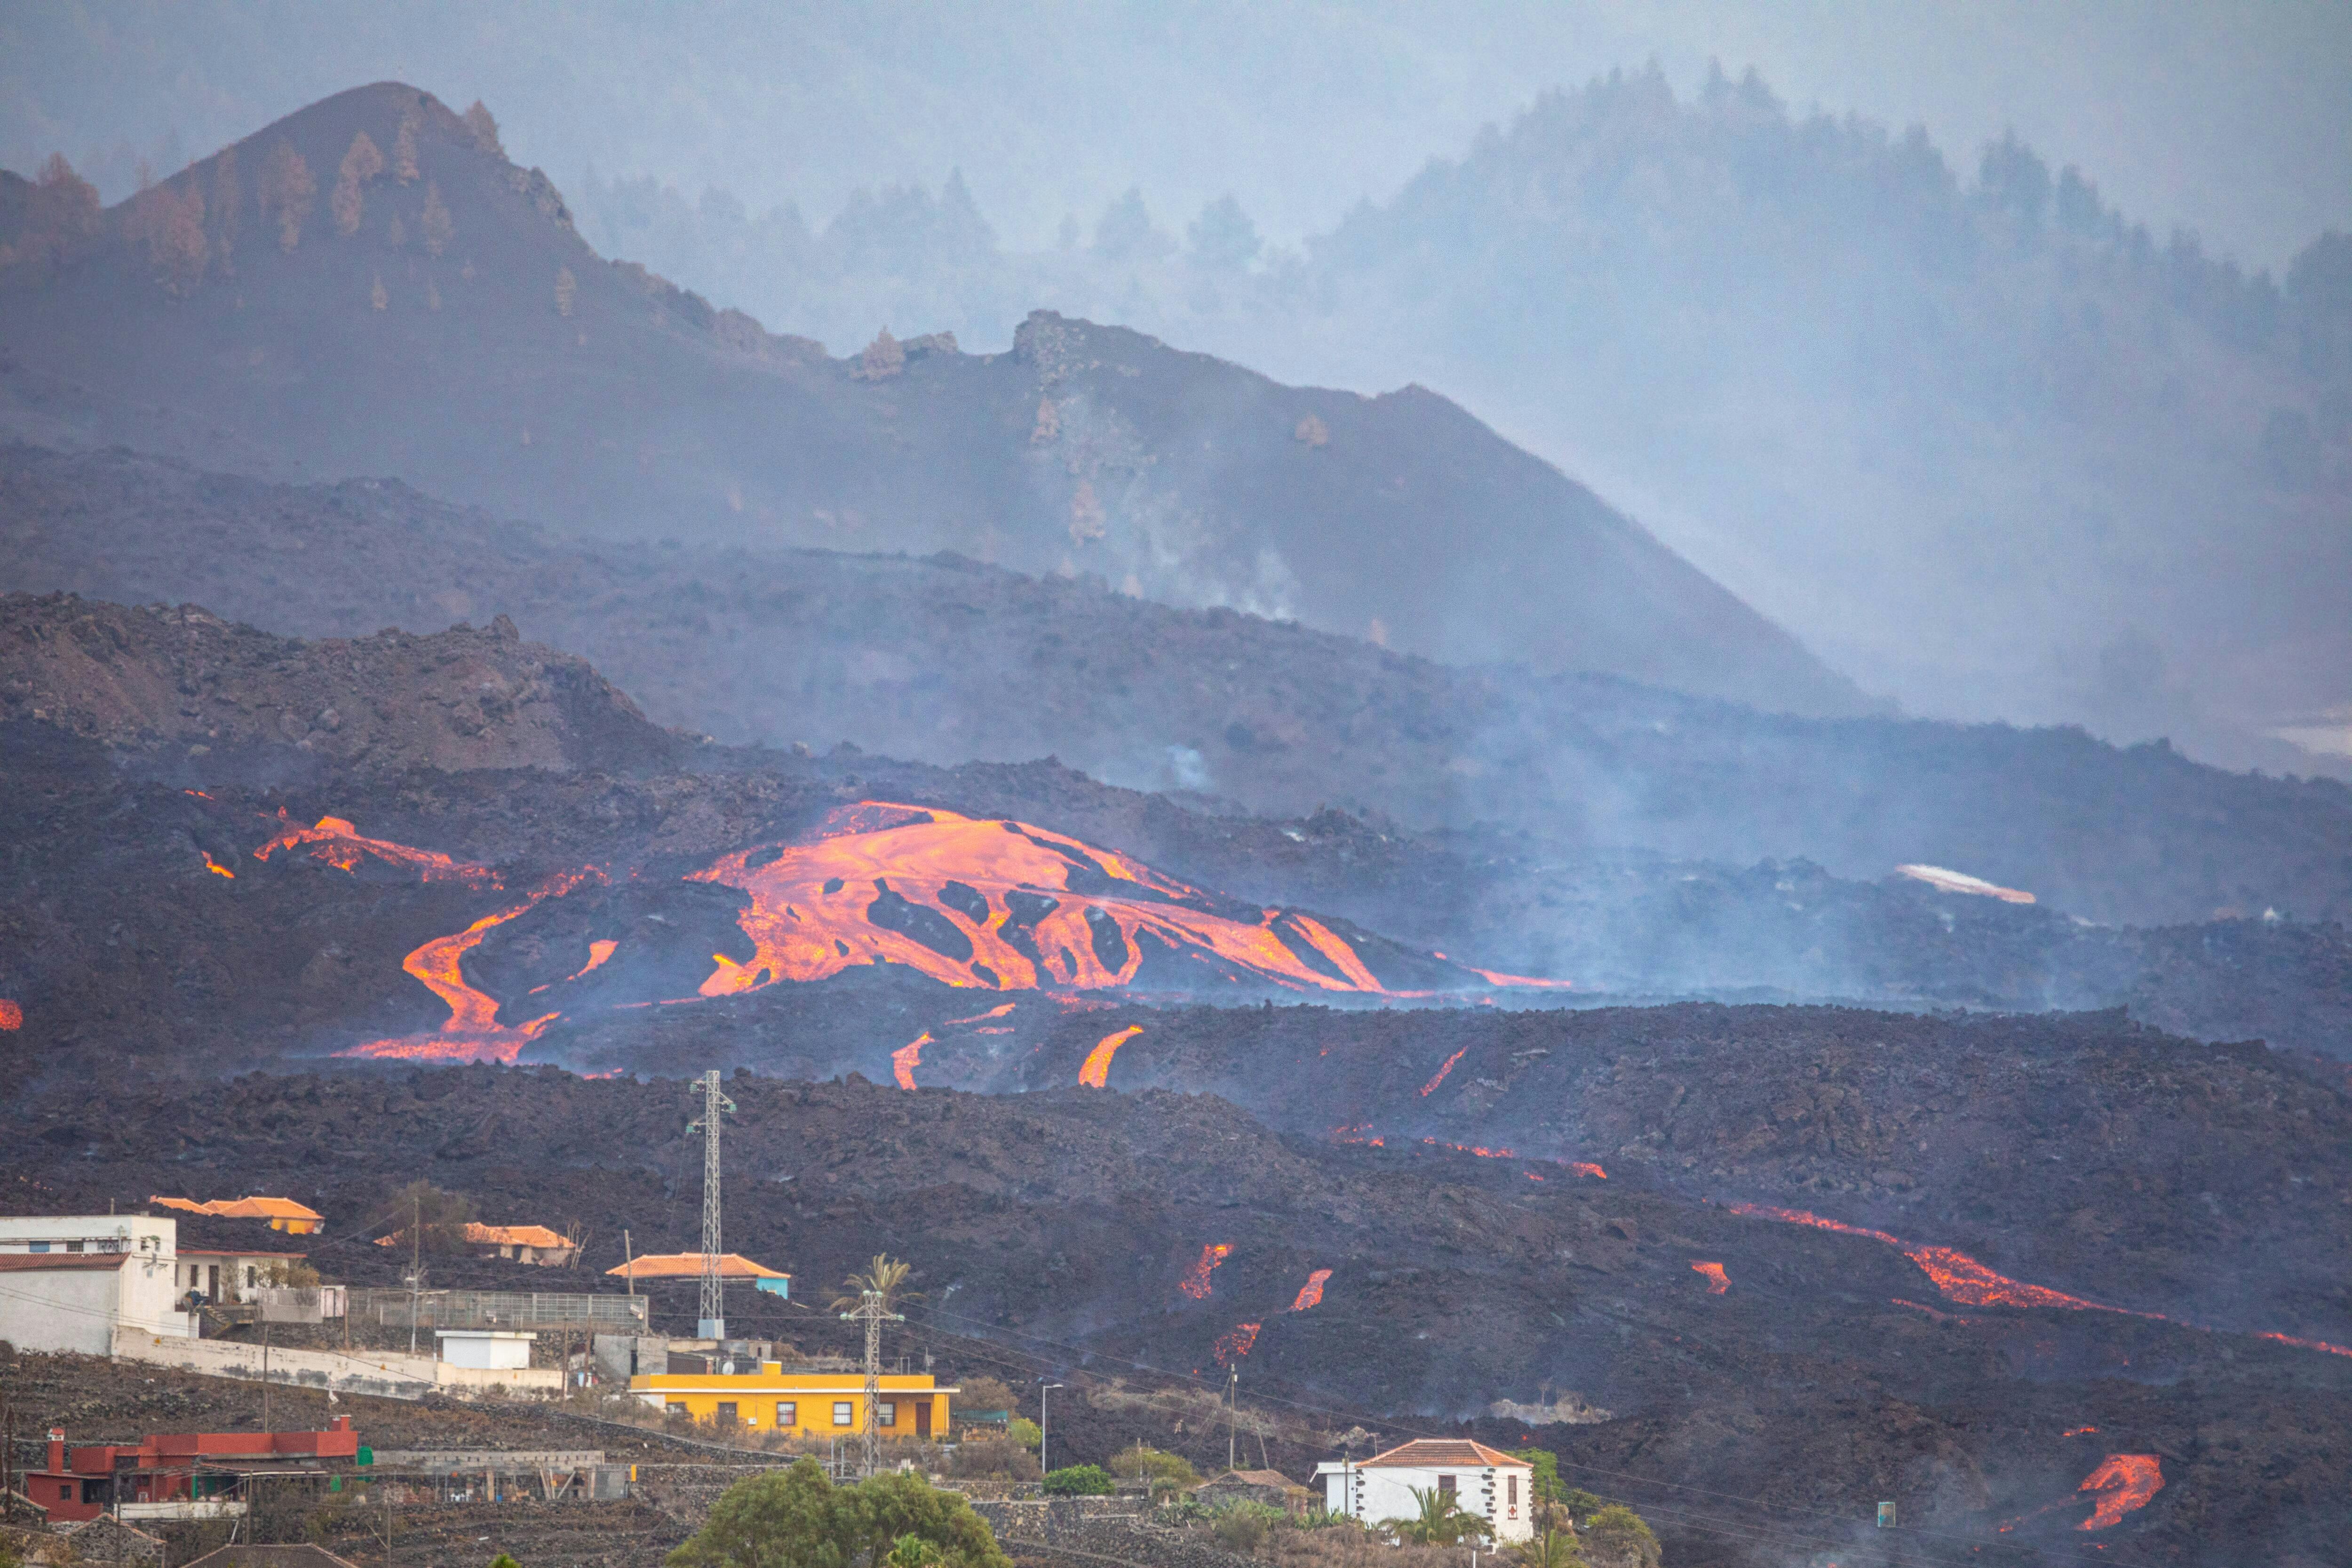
(500, 1309)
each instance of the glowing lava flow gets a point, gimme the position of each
(2127, 1481)
(1311, 1293)
(998, 904)
(12, 1016)
(1446, 1067)
(1235, 1343)
(343, 846)
(473, 1032)
(215, 867)
(1963, 1279)
(598, 952)
(1523, 982)
(908, 1057)
(1096, 1072)
(1195, 1282)
(1718, 1282)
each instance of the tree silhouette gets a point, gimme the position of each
(484, 128)
(1125, 232)
(404, 150)
(435, 224)
(288, 193)
(361, 164)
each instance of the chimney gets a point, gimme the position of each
(57, 1451)
(343, 1422)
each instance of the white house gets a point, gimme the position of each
(68, 1281)
(1485, 1482)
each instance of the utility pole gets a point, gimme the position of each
(1044, 1388)
(265, 1371)
(870, 1312)
(415, 1254)
(712, 1324)
(1232, 1409)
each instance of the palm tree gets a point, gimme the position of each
(886, 1277)
(1441, 1521)
(1550, 1550)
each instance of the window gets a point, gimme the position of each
(886, 1413)
(726, 1417)
(841, 1413)
(1513, 1486)
(788, 1414)
(677, 1407)
(36, 1247)
(73, 1247)
(1445, 1486)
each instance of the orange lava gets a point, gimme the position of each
(1096, 1072)
(1233, 1343)
(1717, 1281)
(996, 1012)
(1431, 1087)
(2076, 1431)
(1583, 1169)
(907, 1057)
(473, 1032)
(1494, 978)
(1311, 1293)
(1358, 1132)
(598, 952)
(2308, 1345)
(343, 846)
(1195, 1282)
(1002, 892)
(12, 1016)
(1956, 1275)
(215, 867)
(1940, 1317)
(2127, 1481)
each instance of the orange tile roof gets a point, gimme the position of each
(242, 1208)
(514, 1236)
(688, 1266)
(1437, 1453)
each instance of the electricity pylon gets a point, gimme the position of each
(712, 1324)
(869, 1311)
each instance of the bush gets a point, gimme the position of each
(798, 1516)
(1243, 1526)
(1026, 1432)
(1615, 1537)
(993, 1457)
(1079, 1480)
(1165, 1471)
(985, 1393)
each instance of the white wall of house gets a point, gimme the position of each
(486, 1349)
(65, 1310)
(143, 1292)
(1376, 1492)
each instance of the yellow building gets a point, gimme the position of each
(802, 1403)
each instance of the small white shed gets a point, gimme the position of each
(487, 1350)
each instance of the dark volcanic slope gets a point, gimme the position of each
(1058, 1225)
(182, 683)
(948, 660)
(447, 325)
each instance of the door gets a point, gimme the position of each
(922, 1418)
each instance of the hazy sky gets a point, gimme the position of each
(2235, 120)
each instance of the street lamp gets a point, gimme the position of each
(1041, 1387)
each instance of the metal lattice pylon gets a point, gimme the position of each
(712, 1325)
(871, 1313)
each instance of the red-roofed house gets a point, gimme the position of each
(1485, 1482)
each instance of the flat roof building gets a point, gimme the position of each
(802, 1403)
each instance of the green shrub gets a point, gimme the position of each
(1243, 1526)
(1079, 1480)
(799, 1517)
(1163, 1470)
(1026, 1432)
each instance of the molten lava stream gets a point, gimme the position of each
(342, 845)
(1311, 1293)
(2127, 1481)
(1444, 1067)
(12, 1015)
(1718, 1282)
(1195, 1282)
(1233, 1343)
(473, 1032)
(995, 901)
(215, 867)
(1096, 1072)
(908, 1057)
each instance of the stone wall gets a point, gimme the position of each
(1082, 1531)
